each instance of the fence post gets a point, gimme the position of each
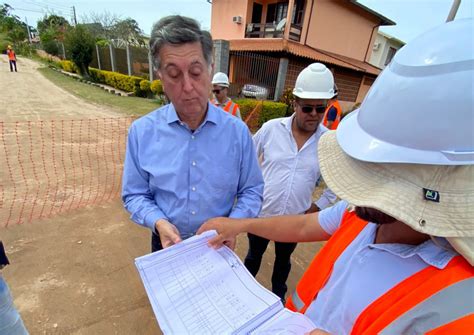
(150, 65)
(280, 84)
(97, 50)
(221, 56)
(129, 59)
(112, 57)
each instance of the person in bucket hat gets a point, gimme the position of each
(399, 252)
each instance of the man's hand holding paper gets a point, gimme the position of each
(227, 231)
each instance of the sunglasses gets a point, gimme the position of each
(309, 108)
(217, 91)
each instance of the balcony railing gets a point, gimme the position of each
(269, 30)
(263, 30)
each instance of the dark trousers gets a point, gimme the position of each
(155, 243)
(12, 64)
(281, 267)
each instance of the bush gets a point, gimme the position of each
(270, 110)
(145, 88)
(156, 87)
(80, 45)
(68, 66)
(51, 47)
(119, 81)
(145, 85)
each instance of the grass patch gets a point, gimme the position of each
(125, 105)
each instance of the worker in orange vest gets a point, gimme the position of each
(220, 88)
(11, 58)
(399, 259)
(333, 113)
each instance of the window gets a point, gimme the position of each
(276, 12)
(390, 54)
(298, 12)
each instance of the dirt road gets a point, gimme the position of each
(74, 273)
(27, 95)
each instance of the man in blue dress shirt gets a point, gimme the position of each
(188, 161)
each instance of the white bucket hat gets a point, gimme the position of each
(437, 200)
(409, 150)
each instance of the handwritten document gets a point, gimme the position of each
(194, 289)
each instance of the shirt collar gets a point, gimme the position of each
(212, 115)
(437, 254)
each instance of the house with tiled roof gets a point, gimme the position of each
(270, 41)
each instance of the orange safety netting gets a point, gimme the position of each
(55, 166)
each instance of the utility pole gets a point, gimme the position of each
(74, 15)
(28, 30)
(454, 10)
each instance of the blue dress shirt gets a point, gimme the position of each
(187, 177)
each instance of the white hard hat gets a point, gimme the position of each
(314, 82)
(420, 108)
(221, 79)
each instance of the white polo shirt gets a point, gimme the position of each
(365, 271)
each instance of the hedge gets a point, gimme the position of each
(119, 81)
(68, 66)
(156, 87)
(270, 110)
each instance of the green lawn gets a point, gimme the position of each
(126, 105)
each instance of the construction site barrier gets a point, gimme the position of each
(55, 166)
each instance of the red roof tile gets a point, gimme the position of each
(278, 44)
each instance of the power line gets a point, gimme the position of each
(54, 4)
(27, 10)
(48, 8)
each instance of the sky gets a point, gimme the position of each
(413, 17)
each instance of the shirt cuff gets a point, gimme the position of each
(152, 217)
(238, 215)
(322, 203)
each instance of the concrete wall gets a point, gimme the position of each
(343, 28)
(379, 54)
(222, 12)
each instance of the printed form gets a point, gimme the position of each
(194, 289)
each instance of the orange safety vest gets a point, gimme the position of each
(229, 106)
(11, 55)
(336, 121)
(392, 312)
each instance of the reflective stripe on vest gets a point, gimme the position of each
(231, 106)
(427, 312)
(320, 268)
(418, 293)
(336, 121)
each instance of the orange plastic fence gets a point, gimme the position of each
(55, 166)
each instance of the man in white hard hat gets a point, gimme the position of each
(402, 261)
(220, 89)
(288, 152)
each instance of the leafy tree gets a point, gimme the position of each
(80, 45)
(100, 25)
(12, 29)
(108, 26)
(52, 30)
(129, 31)
(55, 22)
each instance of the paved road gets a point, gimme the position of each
(74, 273)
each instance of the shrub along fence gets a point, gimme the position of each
(144, 88)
